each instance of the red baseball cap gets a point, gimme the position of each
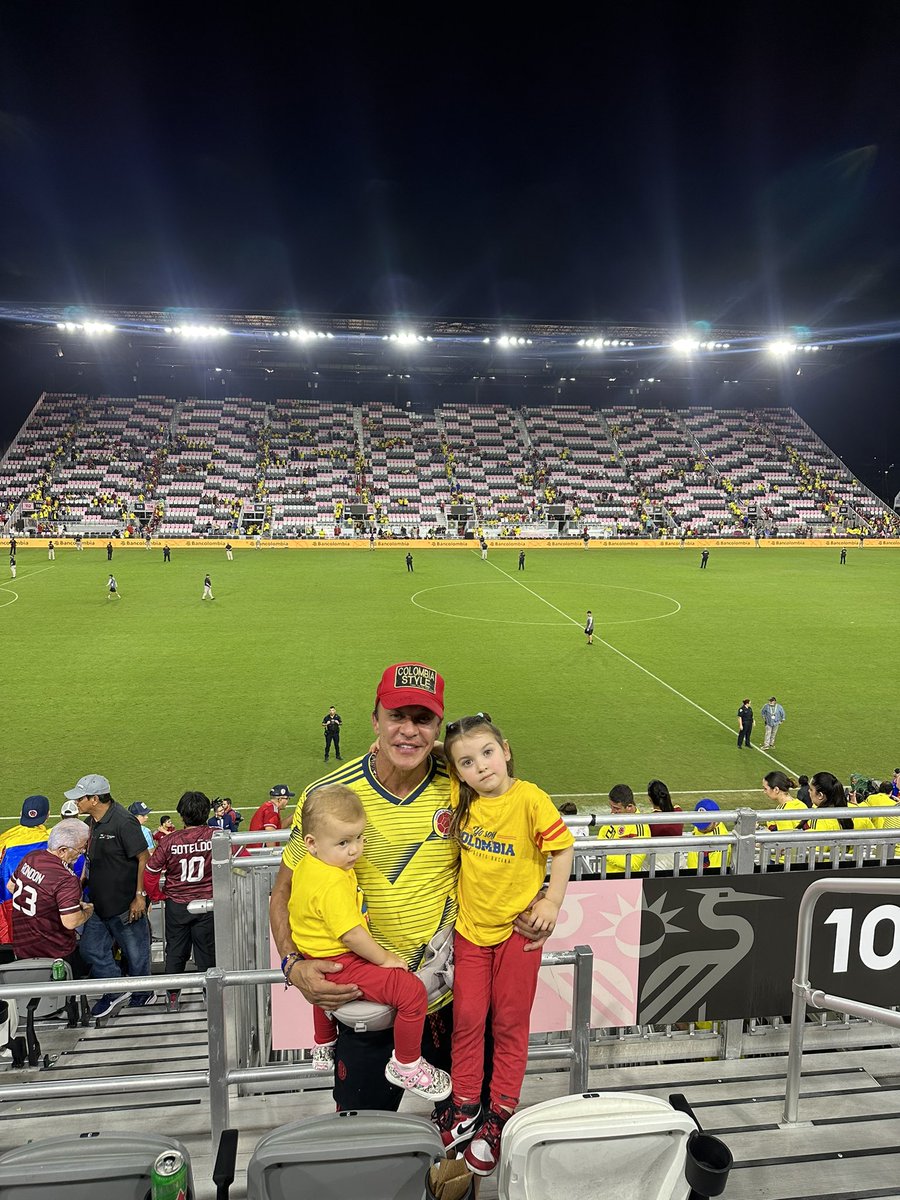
(406, 684)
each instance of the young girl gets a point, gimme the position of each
(506, 828)
(328, 921)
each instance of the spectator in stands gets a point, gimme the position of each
(268, 815)
(773, 715)
(895, 783)
(29, 834)
(711, 859)
(661, 799)
(117, 854)
(166, 826)
(777, 787)
(419, 905)
(570, 809)
(621, 803)
(47, 906)
(179, 871)
(826, 791)
(225, 816)
(745, 724)
(141, 812)
(803, 790)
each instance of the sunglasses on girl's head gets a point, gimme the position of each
(455, 726)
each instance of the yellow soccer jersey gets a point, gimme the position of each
(326, 902)
(616, 863)
(410, 865)
(786, 826)
(505, 843)
(712, 859)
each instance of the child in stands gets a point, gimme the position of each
(328, 920)
(506, 829)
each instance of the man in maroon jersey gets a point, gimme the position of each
(46, 898)
(185, 858)
(268, 815)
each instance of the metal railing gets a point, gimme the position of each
(805, 994)
(222, 1074)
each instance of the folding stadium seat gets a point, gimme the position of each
(98, 1166)
(627, 1145)
(346, 1156)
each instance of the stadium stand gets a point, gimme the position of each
(192, 468)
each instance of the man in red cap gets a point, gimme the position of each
(407, 872)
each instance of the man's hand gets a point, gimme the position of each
(310, 977)
(137, 909)
(88, 910)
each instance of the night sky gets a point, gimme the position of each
(737, 166)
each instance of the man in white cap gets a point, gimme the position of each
(117, 853)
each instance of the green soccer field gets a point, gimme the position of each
(161, 691)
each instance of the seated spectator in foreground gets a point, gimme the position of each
(621, 802)
(179, 871)
(712, 859)
(47, 906)
(580, 830)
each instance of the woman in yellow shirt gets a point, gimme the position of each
(506, 829)
(826, 791)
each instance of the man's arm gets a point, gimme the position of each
(74, 919)
(138, 907)
(308, 976)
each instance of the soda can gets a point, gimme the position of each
(58, 970)
(168, 1179)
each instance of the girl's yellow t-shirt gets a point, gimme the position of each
(503, 860)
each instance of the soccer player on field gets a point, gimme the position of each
(207, 589)
(112, 588)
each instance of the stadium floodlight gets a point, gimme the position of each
(685, 346)
(89, 327)
(781, 347)
(199, 332)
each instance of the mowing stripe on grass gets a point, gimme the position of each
(634, 663)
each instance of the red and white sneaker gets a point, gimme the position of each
(483, 1152)
(422, 1079)
(457, 1123)
(323, 1057)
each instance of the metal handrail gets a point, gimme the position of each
(805, 994)
(220, 1075)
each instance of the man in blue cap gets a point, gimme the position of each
(30, 834)
(712, 859)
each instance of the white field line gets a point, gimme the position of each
(634, 663)
(19, 578)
